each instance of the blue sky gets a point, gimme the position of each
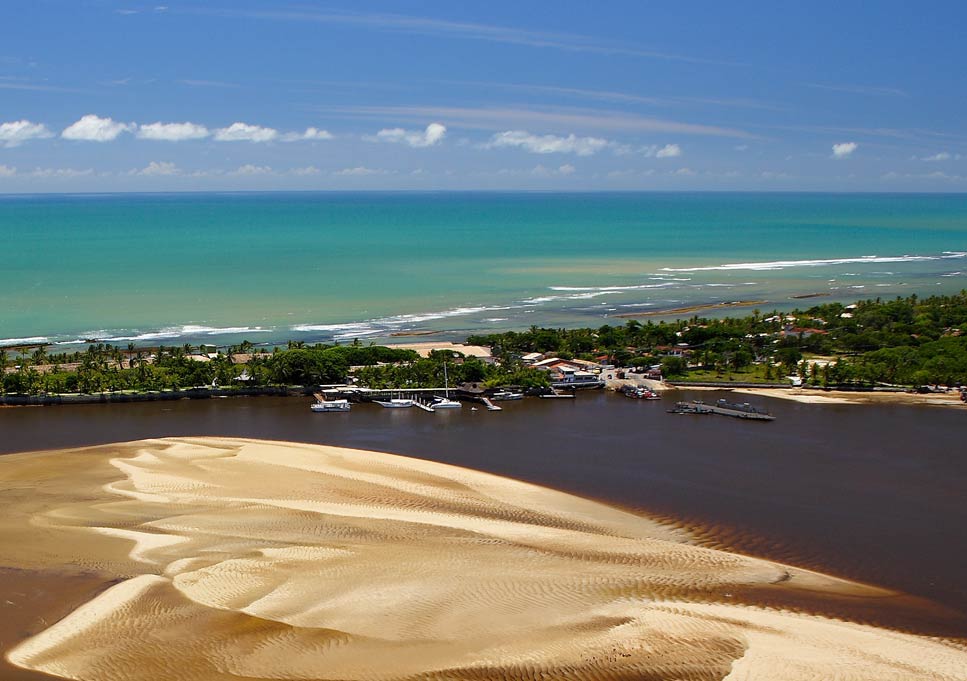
(99, 95)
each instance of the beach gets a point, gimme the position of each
(949, 399)
(280, 560)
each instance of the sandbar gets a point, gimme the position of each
(250, 559)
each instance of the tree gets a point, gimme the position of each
(673, 366)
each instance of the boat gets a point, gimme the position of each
(640, 393)
(331, 405)
(396, 403)
(504, 395)
(445, 402)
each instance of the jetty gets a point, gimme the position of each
(490, 405)
(742, 410)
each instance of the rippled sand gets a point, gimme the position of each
(257, 560)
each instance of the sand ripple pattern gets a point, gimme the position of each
(280, 561)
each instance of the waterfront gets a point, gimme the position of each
(871, 493)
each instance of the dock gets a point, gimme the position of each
(490, 405)
(741, 411)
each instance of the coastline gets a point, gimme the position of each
(144, 490)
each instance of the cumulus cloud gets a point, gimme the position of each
(844, 149)
(91, 128)
(360, 171)
(160, 168)
(7, 171)
(304, 172)
(243, 132)
(250, 169)
(685, 172)
(669, 151)
(434, 133)
(18, 132)
(547, 144)
(172, 132)
(309, 134)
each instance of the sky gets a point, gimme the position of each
(172, 95)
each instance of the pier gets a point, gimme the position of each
(741, 411)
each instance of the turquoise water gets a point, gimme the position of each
(317, 266)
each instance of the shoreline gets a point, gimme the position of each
(820, 396)
(452, 500)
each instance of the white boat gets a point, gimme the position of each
(396, 403)
(445, 402)
(504, 395)
(331, 405)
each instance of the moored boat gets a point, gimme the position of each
(505, 395)
(396, 403)
(331, 405)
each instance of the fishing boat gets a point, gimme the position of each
(331, 405)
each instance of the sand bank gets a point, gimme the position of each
(270, 560)
(950, 399)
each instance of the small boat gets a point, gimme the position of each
(445, 402)
(331, 405)
(396, 403)
(506, 395)
(640, 393)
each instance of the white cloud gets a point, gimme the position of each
(243, 132)
(61, 172)
(250, 169)
(160, 168)
(942, 156)
(309, 134)
(91, 128)
(303, 172)
(741, 147)
(172, 132)
(7, 171)
(18, 132)
(685, 172)
(566, 169)
(360, 171)
(548, 144)
(434, 133)
(844, 149)
(669, 151)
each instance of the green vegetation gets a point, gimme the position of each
(109, 368)
(906, 341)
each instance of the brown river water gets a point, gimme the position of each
(873, 493)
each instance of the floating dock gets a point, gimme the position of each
(742, 410)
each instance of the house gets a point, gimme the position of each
(532, 357)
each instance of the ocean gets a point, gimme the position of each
(220, 268)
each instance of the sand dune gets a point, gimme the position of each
(259, 560)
